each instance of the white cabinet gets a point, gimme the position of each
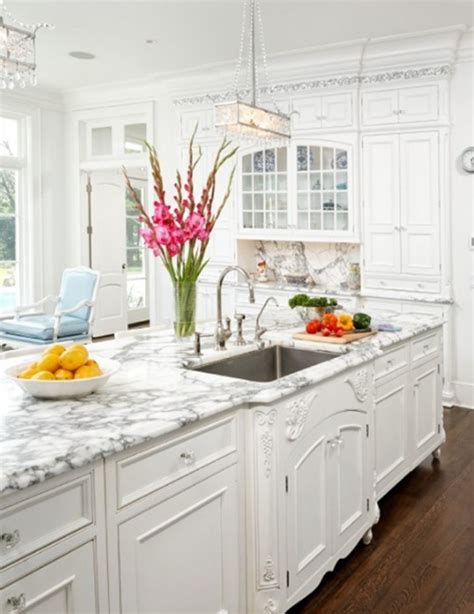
(402, 205)
(391, 415)
(399, 106)
(328, 111)
(182, 555)
(426, 414)
(65, 586)
(202, 118)
(328, 497)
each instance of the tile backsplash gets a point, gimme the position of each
(328, 264)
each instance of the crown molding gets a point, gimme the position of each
(32, 98)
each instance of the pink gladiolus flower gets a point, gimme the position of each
(173, 249)
(194, 224)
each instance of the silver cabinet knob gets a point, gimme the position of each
(332, 442)
(339, 440)
(9, 540)
(17, 603)
(188, 457)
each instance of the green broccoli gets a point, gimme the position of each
(298, 300)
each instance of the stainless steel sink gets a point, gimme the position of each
(266, 365)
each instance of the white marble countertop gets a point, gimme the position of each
(153, 394)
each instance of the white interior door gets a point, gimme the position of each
(108, 251)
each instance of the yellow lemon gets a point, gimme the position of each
(80, 348)
(63, 374)
(43, 375)
(57, 349)
(85, 372)
(72, 359)
(94, 366)
(48, 362)
(28, 372)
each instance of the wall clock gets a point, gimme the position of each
(467, 159)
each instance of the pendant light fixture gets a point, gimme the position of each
(246, 118)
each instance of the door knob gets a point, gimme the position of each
(124, 267)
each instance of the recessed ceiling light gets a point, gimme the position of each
(151, 41)
(82, 55)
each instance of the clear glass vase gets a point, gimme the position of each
(184, 309)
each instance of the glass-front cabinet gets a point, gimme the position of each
(305, 188)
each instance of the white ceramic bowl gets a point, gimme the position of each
(51, 389)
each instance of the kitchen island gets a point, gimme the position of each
(172, 489)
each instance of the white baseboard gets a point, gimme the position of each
(464, 392)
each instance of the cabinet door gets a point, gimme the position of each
(417, 104)
(65, 586)
(336, 110)
(391, 433)
(307, 113)
(349, 478)
(419, 202)
(426, 412)
(381, 203)
(380, 107)
(183, 554)
(308, 511)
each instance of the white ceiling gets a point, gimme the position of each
(194, 33)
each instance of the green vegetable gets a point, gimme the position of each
(333, 302)
(298, 300)
(361, 320)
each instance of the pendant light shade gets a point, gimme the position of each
(248, 119)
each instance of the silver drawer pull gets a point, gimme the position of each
(17, 603)
(9, 540)
(390, 362)
(188, 457)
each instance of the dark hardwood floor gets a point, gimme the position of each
(421, 560)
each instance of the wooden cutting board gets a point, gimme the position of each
(346, 338)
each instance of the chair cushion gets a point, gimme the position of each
(41, 327)
(76, 286)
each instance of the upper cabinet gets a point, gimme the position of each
(305, 188)
(118, 138)
(400, 106)
(203, 118)
(326, 111)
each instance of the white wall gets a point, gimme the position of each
(462, 211)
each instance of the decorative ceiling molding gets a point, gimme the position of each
(444, 70)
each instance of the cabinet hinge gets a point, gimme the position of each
(368, 504)
(367, 430)
(439, 428)
(286, 483)
(89, 230)
(287, 578)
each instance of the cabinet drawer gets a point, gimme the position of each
(65, 586)
(41, 520)
(148, 471)
(391, 361)
(431, 286)
(425, 347)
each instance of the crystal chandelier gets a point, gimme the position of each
(17, 51)
(248, 119)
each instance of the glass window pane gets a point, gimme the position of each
(281, 183)
(136, 293)
(282, 203)
(328, 220)
(101, 141)
(315, 158)
(258, 183)
(270, 183)
(328, 181)
(258, 202)
(247, 163)
(7, 238)
(341, 158)
(302, 181)
(315, 181)
(281, 159)
(315, 221)
(270, 162)
(328, 157)
(247, 202)
(133, 236)
(328, 201)
(258, 162)
(9, 136)
(247, 220)
(247, 183)
(315, 202)
(258, 220)
(302, 158)
(8, 286)
(302, 219)
(341, 180)
(270, 202)
(134, 138)
(282, 220)
(8, 188)
(302, 201)
(342, 221)
(341, 201)
(269, 219)
(135, 260)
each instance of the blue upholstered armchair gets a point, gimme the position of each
(72, 316)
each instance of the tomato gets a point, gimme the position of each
(326, 332)
(313, 327)
(339, 332)
(329, 319)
